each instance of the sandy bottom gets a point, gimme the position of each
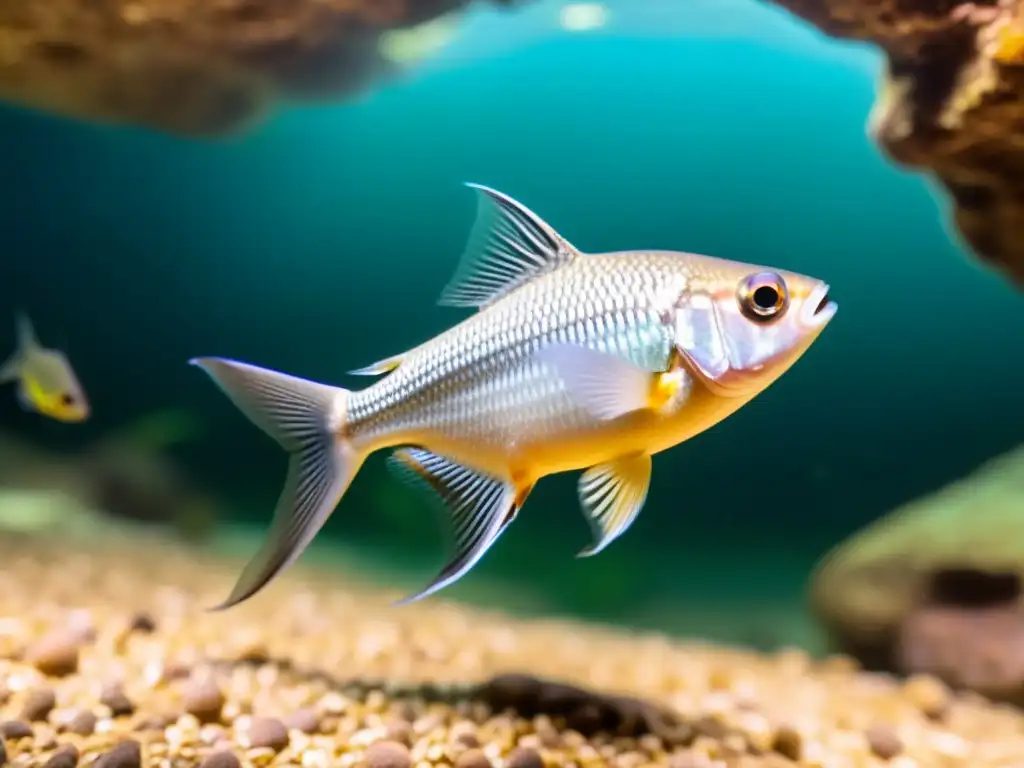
(106, 656)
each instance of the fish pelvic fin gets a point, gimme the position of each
(479, 506)
(609, 386)
(509, 245)
(612, 495)
(308, 420)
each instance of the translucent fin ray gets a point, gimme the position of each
(612, 495)
(304, 417)
(509, 245)
(604, 384)
(480, 507)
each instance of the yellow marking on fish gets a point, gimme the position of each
(665, 387)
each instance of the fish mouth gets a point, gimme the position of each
(818, 308)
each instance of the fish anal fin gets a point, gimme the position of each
(508, 246)
(612, 495)
(386, 365)
(479, 506)
(610, 386)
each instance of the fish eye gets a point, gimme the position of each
(67, 399)
(763, 296)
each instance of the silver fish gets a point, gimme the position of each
(46, 381)
(572, 361)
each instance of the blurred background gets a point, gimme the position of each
(317, 239)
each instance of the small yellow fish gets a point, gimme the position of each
(46, 382)
(573, 361)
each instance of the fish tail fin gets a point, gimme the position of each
(11, 368)
(309, 421)
(26, 340)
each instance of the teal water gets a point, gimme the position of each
(319, 242)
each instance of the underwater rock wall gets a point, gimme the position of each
(951, 102)
(193, 67)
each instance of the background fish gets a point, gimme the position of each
(573, 361)
(46, 383)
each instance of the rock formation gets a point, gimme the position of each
(193, 67)
(951, 103)
(938, 586)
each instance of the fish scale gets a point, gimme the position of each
(479, 381)
(573, 361)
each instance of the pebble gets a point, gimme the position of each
(55, 654)
(401, 731)
(306, 720)
(473, 758)
(884, 741)
(464, 734)
(203, 698)
(142, 622)
(928, 694)
(65, 757)
(524, 757)
(267, 732)
(15, 729)
(114, 697)
(154, 722)
(689, 760)
(82, 723)
(388, 754)
(127, 754)
(222, 758)
(39, 703)
(789, 743)
(3, 753)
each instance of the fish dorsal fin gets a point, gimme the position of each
(25, 343)
(508, 246)
(386, 365)
(26, 334)
(612, 495)
(480, 507)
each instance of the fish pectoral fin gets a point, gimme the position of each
(606, 385)
(508, 246)
(612, 495)
(386, 365)
(480, 508)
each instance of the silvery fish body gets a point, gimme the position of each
(480, 393)
(572, 361)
